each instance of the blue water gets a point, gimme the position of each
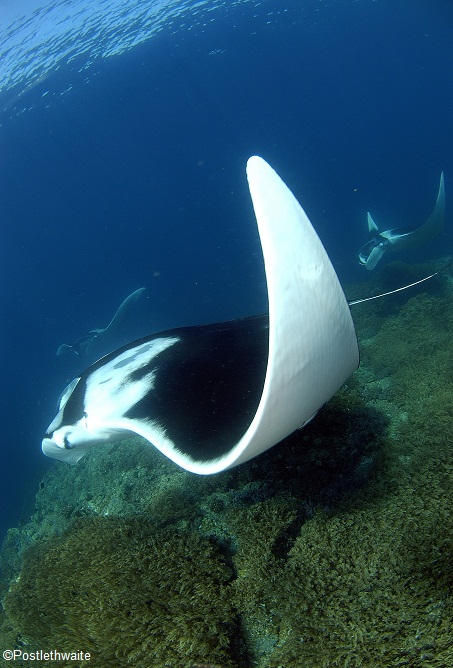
(124, 132)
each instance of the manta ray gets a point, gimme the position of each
(213, 396)
(403, 237)
(85, 343)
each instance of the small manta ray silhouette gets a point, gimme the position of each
(84, 343)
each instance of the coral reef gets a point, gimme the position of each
(335, 548)
(367, 589)
(125, 591)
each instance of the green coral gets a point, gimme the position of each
(371, 584)
(339, 539)
(360, 590)
(128, 592)
(261, 531)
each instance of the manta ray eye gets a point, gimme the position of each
(66, 443)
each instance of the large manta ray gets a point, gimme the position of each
(402, 238)
(214, 396)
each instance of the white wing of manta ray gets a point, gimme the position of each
(214, 396)
(402, 238)
(85, 343)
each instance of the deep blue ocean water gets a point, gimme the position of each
(124, 133)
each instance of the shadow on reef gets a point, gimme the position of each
(331, 457)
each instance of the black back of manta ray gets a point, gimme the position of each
(206, 386)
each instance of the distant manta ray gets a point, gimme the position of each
(403, 237)
(85, 343)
